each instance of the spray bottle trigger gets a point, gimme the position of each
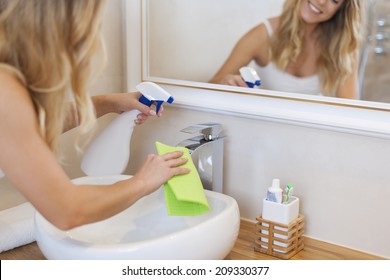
(158, 105)
(145, 101)
(149, 103)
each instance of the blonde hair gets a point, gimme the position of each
(49, 46)
(339, 40)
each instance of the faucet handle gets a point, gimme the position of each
(210, 131)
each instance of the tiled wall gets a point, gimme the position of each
(377, 72)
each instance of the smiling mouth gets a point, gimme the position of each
(313, 8)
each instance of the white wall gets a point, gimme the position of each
(191, 39)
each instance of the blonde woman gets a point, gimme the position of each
(46, 48)
(311, 48)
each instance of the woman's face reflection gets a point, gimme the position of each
(316, 11)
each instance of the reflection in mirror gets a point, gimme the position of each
(190, 39)
(180, 50)
(375, 70)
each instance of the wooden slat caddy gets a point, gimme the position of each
(279, 240)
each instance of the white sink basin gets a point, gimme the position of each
(145, 231)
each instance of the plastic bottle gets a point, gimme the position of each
(275, 193)
(109, 152)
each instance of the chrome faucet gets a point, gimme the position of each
(207, 153)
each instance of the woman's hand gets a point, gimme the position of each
(157, 170)
(233, 80)
(123, 102)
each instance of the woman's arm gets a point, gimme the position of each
(32, 168)
(119, 103)
(112, 103)
(254, 45)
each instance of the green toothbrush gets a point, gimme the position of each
(288, 191)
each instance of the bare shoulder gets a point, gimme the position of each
(12, 89)
(15, 102)
(274, 22)
(259, 32)
(258, 40)
(8, 82)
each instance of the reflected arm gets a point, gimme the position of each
(253, 45)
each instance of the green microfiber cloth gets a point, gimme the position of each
(184, 194)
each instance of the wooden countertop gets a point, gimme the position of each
(313, 250)
(243, 250)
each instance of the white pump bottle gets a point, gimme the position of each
(275, 193)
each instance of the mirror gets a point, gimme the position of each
(185, 42)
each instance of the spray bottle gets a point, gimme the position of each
(109, 152)
(250, 76)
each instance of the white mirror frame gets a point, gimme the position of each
(350, 116)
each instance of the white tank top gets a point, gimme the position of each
(273, 78)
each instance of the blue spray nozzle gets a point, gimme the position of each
(252, 85)
(150, 92)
